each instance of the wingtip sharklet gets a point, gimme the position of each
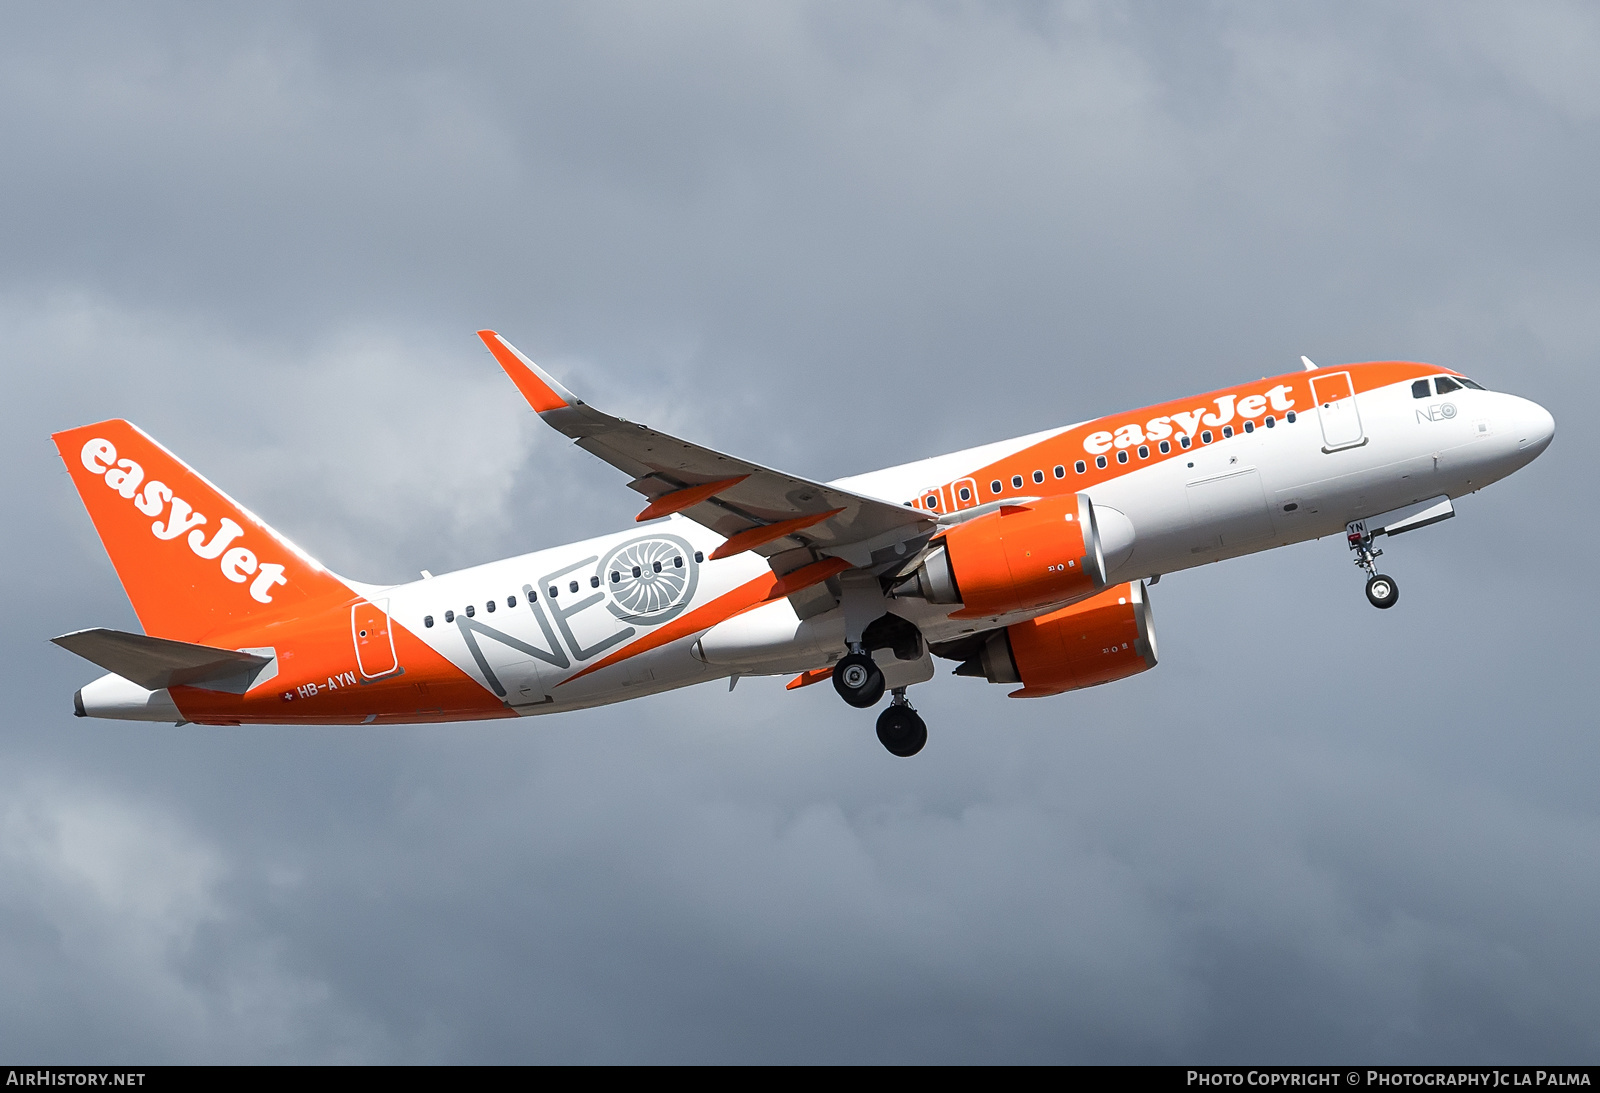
(542, 390)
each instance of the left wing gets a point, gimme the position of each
(751, 506)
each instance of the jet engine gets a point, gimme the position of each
(1021, 558)
(1109, 636)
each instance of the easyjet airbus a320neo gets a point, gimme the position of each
(1024, 561)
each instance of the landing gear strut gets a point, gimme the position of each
(900, 728)
(1382, 591)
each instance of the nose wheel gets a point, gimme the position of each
(1382, 591)
(900, 728)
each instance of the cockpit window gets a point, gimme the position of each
(1465, 382)
(1420, 389)
(1445, 384)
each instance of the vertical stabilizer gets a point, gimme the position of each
(193, 561)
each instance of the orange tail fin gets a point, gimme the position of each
(193, 561)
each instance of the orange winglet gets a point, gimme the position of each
(806, 679)
(688, 497)
(540, 395)
(754, 537)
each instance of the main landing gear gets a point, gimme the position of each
(858, 679)
(860, 682)
(869, 626)
(900, 728)
(1382, 591)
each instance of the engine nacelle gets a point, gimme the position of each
(1110, 636)
(1020, 558)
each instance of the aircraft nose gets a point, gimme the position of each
(1535, 428)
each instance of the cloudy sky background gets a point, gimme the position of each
(828, 237)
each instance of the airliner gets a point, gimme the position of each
(1025, 562)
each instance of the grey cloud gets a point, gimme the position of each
(830, 237)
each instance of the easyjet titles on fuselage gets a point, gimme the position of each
(1189, 422)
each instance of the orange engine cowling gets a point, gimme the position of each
(1110, 636)
(1021, 558)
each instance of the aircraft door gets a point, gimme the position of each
(1336, 409)
(374, 639)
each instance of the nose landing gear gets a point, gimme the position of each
(1382, 591)
(900, 728)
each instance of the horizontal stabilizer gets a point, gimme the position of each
(158, 663)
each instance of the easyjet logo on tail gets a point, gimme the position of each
(237, 563)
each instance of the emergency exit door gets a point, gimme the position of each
(374, 639)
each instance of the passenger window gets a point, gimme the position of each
(1038, 477)
(1271, 421)
(449, 616)
(489, 607)
(1061, 472)
(511, 601)
(1419, 389)
(1249, 426)
(1166, 446)
(699, 556)
(637, 571)
(1080, 466)
(994, 487)
(1100, 461)
(1227, 432)
(677, 563)
(1289, 417)
(1184, 441)
(656, 566)
(469, 610)
(1205, 437)
(1144, 451)
(615, 576)
(427, 620)
(1445, 385)
(554, 592)
(966, 494)
(932, 503)
(1122, 456)
(594, 582)
(1016, 481)
(572, 586)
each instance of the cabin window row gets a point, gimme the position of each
(1101, 462)
(554, 591)
(1165, 447)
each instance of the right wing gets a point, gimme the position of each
(751, 506)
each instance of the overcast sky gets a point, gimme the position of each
(829, 237)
